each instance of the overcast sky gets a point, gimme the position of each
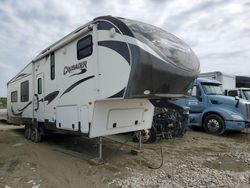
(218, 31)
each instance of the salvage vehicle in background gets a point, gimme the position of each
(213, 111)
(170, 121)
(231, 85)
(243, 93)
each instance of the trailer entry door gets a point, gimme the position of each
(39, 98)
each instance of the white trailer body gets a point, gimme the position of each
(231, 84)
(227, 81)
(98, 79)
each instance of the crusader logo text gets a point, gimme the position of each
(82, 67)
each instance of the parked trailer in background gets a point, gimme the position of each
(227, 81)
(100, 80)
(231, 85)
(213, 111)
(242, 88)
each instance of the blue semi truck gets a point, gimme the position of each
(213, 111)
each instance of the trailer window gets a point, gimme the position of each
(52, 66)
(25, 91)
(84, 47)
(14, 96)
(39, 86)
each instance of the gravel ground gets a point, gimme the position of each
(196, 160)
(184, 174)
(227, 166)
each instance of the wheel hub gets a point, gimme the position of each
(213, 125)
(145, 135)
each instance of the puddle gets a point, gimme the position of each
(13, 164)
(18, 144)
(227, 163)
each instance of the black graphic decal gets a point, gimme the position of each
(16, 114)
(121, 25)
(20, 110)
(119, 47)
(81, 72)
(50, 97)
(25, 107)
(104, 25)
(119, 94)
(76, 84)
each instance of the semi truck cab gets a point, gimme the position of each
(243, 93)
(213, 111)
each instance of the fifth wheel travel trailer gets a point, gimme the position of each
(101, 79)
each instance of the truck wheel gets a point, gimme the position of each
(35, 135)
(214, 124)
(27, 132)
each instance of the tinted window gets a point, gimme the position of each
(52, 66)
(84, 47)
(39, 85)
(233, 93)
(247, 94)
(25, 91)
(212, 89)
(14, 96)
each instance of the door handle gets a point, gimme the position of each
(37, 102)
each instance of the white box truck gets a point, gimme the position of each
(231, 84)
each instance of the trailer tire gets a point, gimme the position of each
(35, 135)
(148, 136)
(153, 135)
(214, 124)
(27, 132)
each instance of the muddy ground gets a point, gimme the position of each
(196, 160)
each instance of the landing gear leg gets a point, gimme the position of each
(140, 141)
(139, 150)
(100, 149)
(98, 160)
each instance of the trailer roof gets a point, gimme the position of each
(68, 38)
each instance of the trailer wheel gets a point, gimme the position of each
(148, 135)
(214, 124)
(27, 132)
(153, 135)
(35, 135)
(144, 135)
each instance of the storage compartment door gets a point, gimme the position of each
(117, 116)
(67, 117)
